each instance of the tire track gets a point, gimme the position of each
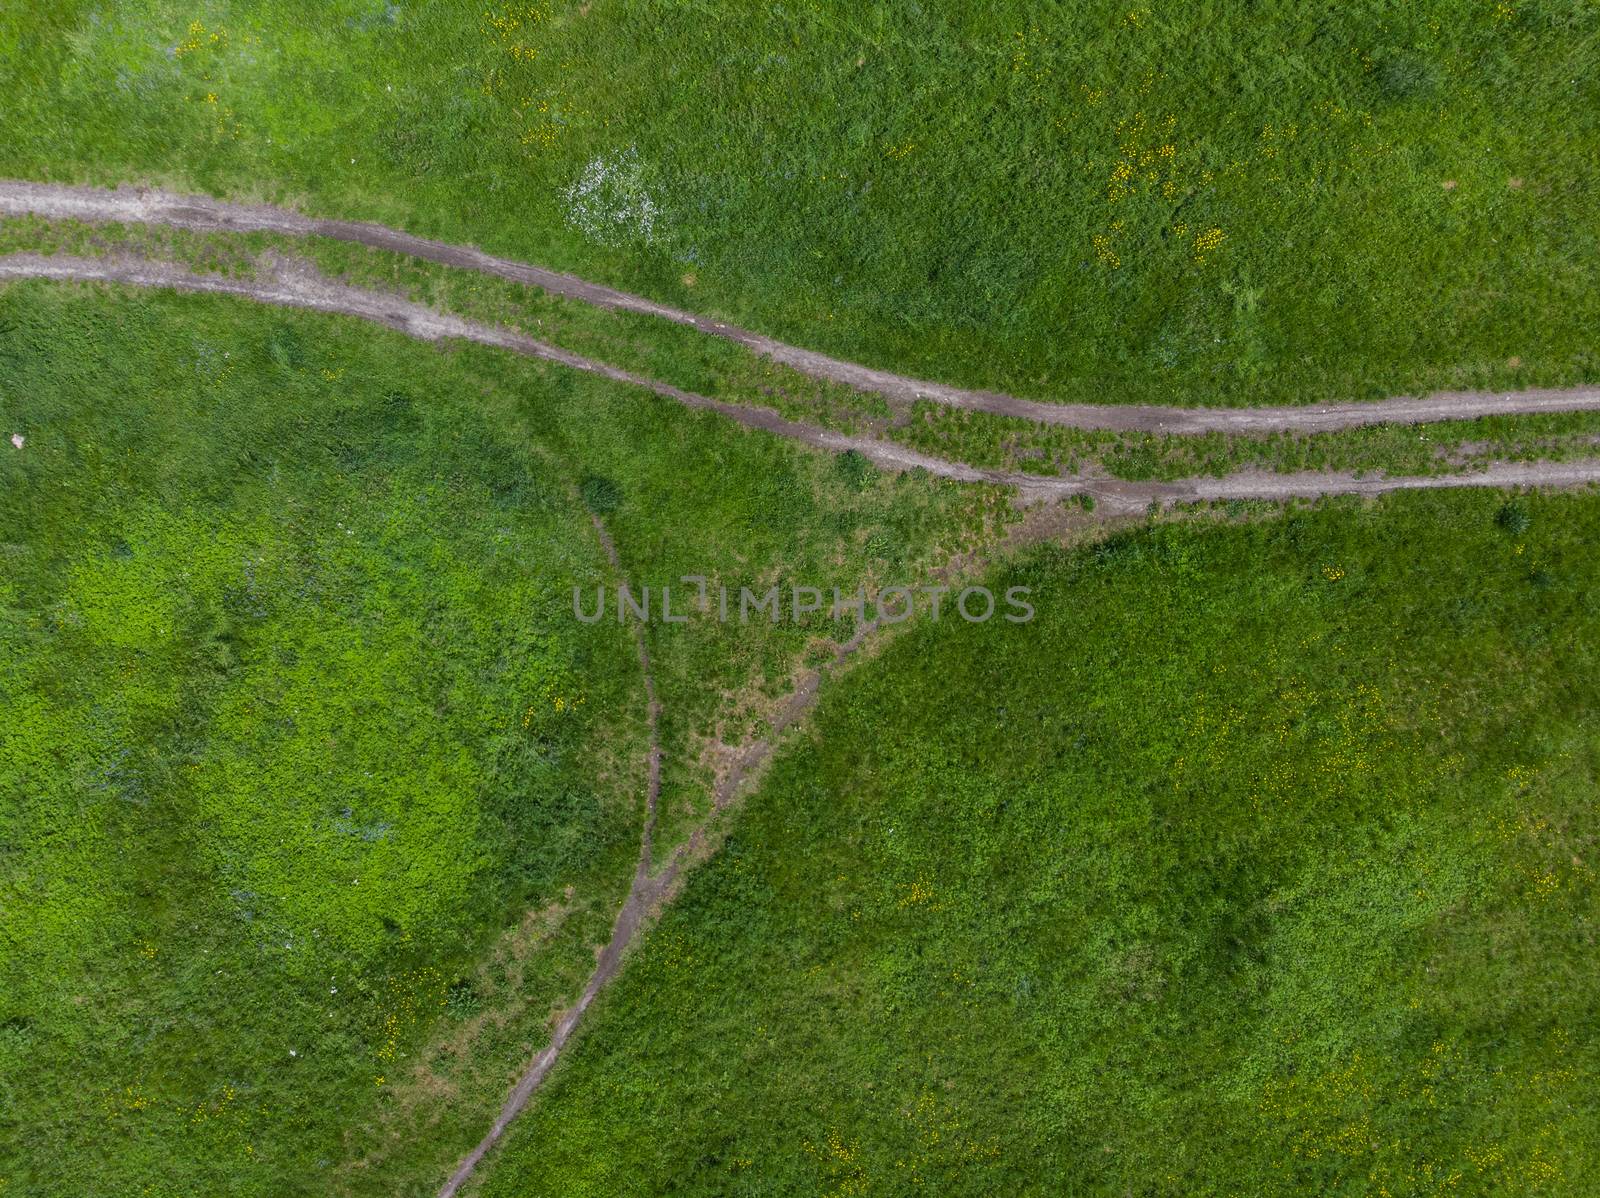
(129, 205)
(649, 893)
(298, 286)
(643, 894)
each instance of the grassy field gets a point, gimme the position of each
(1210, 203)
(314, 796)
(1263, 862)
(657, 349)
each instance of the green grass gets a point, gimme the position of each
(299, 724)
(1262, 862)
(1395, 198)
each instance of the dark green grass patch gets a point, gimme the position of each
(1262, 862)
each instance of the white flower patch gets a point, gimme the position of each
(610, 202)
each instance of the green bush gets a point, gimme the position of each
(600, 495)
(1514, 518)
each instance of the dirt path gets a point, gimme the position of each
(651, 892)
(642, 896)
(202, 214)
(298, 286)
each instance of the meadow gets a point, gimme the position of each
(1208, 203)
(1262, 862)
(314, 797)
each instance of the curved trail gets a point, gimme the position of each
(642, 895)
(647, 891)
(304, 288)
(202, 214)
